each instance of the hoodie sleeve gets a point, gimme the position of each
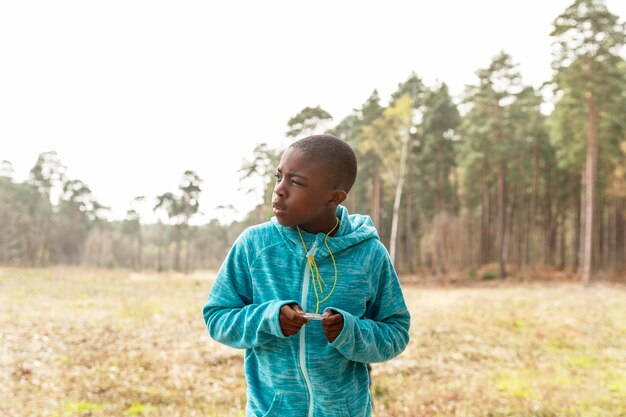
(230, 315)
(384, 331)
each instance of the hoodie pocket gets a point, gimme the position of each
(276, 408)
(344, 410)
(338, 408)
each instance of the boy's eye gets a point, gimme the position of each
(279, 178)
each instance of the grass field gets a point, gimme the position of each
(82, 342)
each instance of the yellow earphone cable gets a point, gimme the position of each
(315, 273)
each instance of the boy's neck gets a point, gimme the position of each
(330, 231)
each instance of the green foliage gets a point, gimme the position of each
(413, 87)
(489, 275)
(494, 163)
(81, 407)
(488, 128)
(308, 121)
(261, 169)
(47, 173)
(517, 384)
(137, 409)
(435, 156)
(351, 129)
(21, 208)
(588, 39)
(385, 136)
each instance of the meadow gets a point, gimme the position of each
(94, 342)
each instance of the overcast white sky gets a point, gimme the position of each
(130, 94)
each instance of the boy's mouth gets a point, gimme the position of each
(278, 209)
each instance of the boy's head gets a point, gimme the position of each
(314, 175)
(332, 154)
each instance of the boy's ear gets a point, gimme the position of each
(336, 197)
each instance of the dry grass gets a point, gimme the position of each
(81, 342)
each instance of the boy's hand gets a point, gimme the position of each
(291, 319)
(332, 324)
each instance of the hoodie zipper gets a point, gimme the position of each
(305, 294)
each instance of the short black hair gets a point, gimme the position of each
(334, 154)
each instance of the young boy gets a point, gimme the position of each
(314, 258)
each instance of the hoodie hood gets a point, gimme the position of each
(353, 229)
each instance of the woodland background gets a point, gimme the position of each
(502, 182)
(102, 318)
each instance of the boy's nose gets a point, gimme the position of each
(279, 191)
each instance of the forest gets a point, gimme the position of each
(502, 182)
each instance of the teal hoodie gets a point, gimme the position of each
(304, 375)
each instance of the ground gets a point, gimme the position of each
(89, 342)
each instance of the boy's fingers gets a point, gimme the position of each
(288, 326)
(331, 320)
(289, 311)
(335, 330)
(297, 314)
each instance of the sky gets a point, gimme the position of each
(132, 93)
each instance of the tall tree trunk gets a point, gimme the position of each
(549, 224)
(508, 228)
(375, 209)
(501, 219)
(439, 191)
(418, 245)
(600, 259)
(618, 234)
(577, 228)
(533, 236)
(590, 190)
(457, 197)
(562, 227)
(484, 225)
(522, 229)
(409, 249)
(398, 198)
(469, 260)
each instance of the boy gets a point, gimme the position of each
(311, 295)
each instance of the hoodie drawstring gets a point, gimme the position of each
(315, 273)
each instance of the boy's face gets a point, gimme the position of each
(303, 194)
